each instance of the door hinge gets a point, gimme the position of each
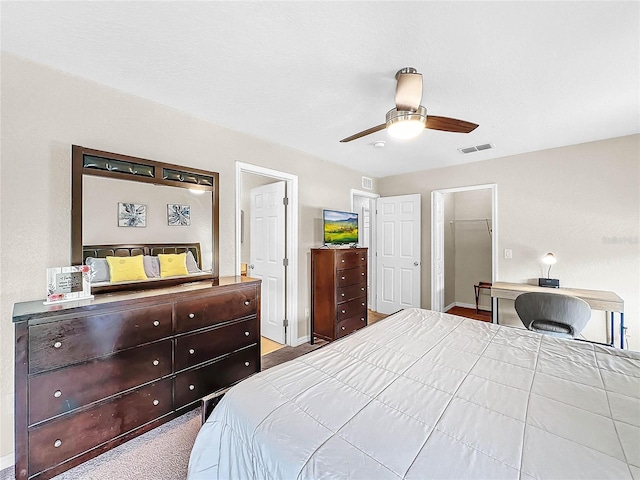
(285, 322)
(285, 201)
(285, 262)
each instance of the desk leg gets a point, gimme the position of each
(613, 334)
(621, 330)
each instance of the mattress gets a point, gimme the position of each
(423, 395)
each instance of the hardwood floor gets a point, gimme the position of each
(268, 346)
(374, 317)
(483, 316)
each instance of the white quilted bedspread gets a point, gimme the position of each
(429, 395)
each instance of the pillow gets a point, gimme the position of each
(126, 269)
(173, 264)
(100, 269)
(151, 266)
(192, 265)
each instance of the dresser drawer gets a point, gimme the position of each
(194, 384)
(350, 325)
(70, 435)
(344, 294)
(200, 347)
(351, 276)
(66, 389)
(351, 309)
(56, 344)
(351, 259)
(203, 312)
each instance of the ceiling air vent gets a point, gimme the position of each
(367, 183)
(477, 148)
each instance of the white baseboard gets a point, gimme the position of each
(7, 461)
(467, 305)
(449, 307)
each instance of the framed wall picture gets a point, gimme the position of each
(132, 215)
(178, 215)
(65, 284)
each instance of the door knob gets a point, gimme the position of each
(416, 263)
(252, 266)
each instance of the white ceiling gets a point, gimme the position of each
(533, 75)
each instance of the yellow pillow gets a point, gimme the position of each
(126, 269)
(173, 264)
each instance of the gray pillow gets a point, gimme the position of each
(192, 265)
(100, 269)
(151, 266)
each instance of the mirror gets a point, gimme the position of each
(127, 206)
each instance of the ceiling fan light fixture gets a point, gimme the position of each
(404, 124)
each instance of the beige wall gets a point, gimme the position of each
(449, 250)
(44, 112)
(472, 245)
(580, 202)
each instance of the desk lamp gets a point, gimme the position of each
(549, 259)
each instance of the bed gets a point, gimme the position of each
(103, 285)
(423, 394)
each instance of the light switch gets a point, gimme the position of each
(508, 253)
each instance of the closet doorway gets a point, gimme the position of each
(464, 250)
(364, 204)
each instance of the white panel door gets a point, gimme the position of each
(437, 246)
(267, 256)
(398, 244)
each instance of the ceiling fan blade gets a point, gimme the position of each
(368, 131)
(449, 124)
(408, 91)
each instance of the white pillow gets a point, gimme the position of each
(192, 265)
(151, 266)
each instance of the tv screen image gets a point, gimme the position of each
(340, 227)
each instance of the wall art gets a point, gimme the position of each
(132, 215)
(178, 215)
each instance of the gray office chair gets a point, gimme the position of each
(552, 313)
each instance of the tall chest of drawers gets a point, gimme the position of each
(91, 375)
(338, 291)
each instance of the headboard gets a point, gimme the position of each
(119, 250)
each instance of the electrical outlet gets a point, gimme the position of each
(508, 253)
(306, 313)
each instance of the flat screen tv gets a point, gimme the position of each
(339, 227)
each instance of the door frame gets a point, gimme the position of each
(291, 238)
(373, 248)
(437, 242)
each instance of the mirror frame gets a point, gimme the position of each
(154, 172)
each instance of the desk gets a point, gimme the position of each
(597, 300)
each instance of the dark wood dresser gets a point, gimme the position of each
(338, 291)
(92, 374)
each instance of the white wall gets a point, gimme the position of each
(580, 202)
(449, 250)
(45, 111)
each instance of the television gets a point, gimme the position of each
(339, 227)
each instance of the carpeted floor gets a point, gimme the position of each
(162, 453)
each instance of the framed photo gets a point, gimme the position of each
(65, 284)
(178, 215)
(132, 215)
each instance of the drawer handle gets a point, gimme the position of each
(361, 258)
(363, 274)
(247, 302)
(342, 328)
(57, 443)
(156, 323)
(191, 387)
(342, 278)
(246, 334)
(343, 260)
(192, 315)
(343, 294)
(156, 402)
(344, 311)
(362, 304)
(191, 351)
(362, 318)
(57, 345)
(57, 393)
(362, 288)
(246, 364)
(156, 362)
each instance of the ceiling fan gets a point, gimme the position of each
(409, 118)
